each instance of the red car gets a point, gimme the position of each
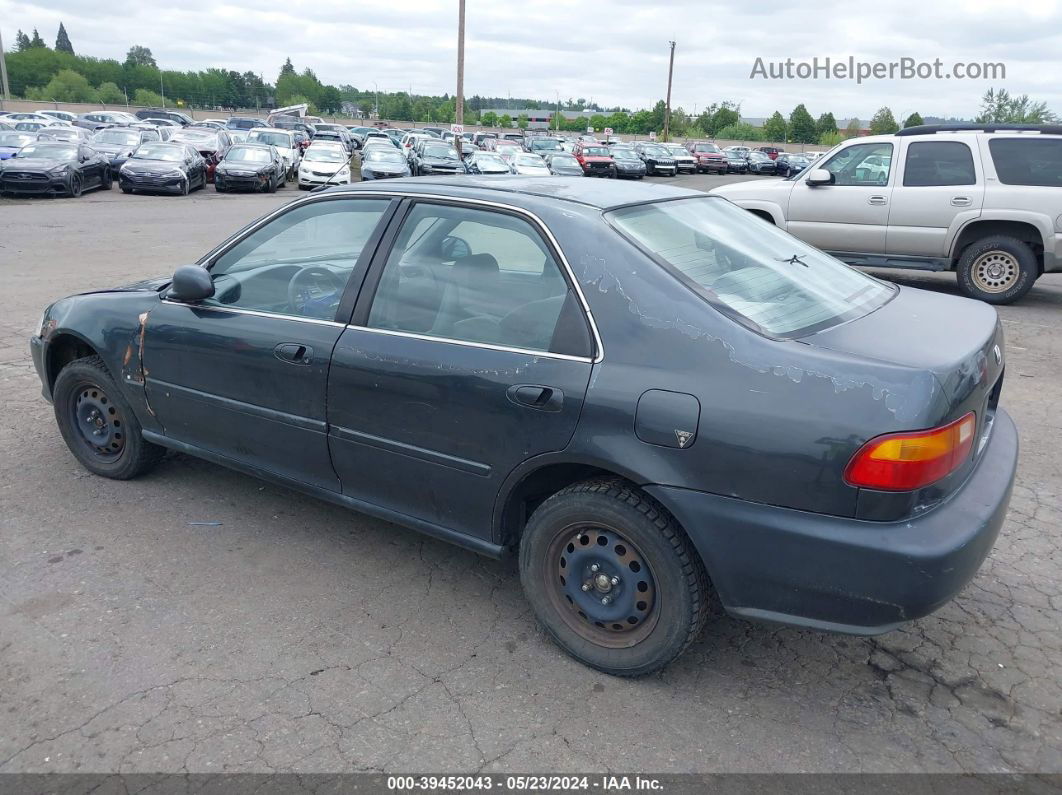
(595, 159)
(771, 151)
(709, 157)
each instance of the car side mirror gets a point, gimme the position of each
(191, 283)
(820, 176)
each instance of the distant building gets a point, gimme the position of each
(539, 118)
(352, 109)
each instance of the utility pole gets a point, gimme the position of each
(459, 101)
(557, 120)
(3, 72)
(667, 107)
(162, 88)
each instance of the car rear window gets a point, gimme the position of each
(750, 270)
(1028, 161)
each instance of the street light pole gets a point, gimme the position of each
(667, 107)
(459, 101)
(557, 120)
(377, 99)
(3, 72)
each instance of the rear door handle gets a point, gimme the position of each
(293, 353)
(543, 398)
(878, 200)
(961, 201)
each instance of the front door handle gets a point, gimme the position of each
(877, 200)
(293, 353)
(961, 201)
(543, 398)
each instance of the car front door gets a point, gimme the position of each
(851, 214)
(941, 188)
(468, 353)
(243, 374)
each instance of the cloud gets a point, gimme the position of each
(615, 53)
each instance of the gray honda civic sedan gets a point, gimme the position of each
(657, 400)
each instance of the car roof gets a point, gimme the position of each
(601, 194)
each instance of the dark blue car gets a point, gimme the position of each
(657, 400)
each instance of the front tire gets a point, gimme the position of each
(75, 187)
(612, 578)
(98, 424)
(997, 269)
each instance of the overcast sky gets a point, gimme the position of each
(612, 52)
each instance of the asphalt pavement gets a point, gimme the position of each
(200, 620)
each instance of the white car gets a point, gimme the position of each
(684, 160)
(284, 141)
(324, 165)
(11, 118)
(62, 115)
(529, 165)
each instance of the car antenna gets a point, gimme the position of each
(328, 182)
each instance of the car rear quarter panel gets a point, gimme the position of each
(779, 420)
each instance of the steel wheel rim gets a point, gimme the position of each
(995, 271)
(97, 422)
(578, 591)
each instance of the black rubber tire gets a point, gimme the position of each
(186, 187)
(1028, 268)
(75, 187)
(127, 190)
(107, 181)
(682, 588)
(137, 456)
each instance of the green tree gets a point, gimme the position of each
(287, 69)
(66, 86)
(522, 121)
(830, 138)
(853, 129)
(37, 41)
(506, 121)
(331, 101)
(146, 97)
(802, 129)
(62, 41)
(726, 114)
(826, 124)
(883, 123)
(140, 56)
(742, 131)
(110, 94)
(914, 120)
(659, 109)
(489, 119)
(997, 105)
(22, 42)
(774, 128)
(618, 122)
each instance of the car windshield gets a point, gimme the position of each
(378, 155)
(14, 139)
(444, 152)
(55, 151)
(753, 272)
(249, 154)
(705, 148)
(595, 151)
(273, 138)
(565, 160)
(735, 156)
(624, 154)
(173, 154)
(195, 136)
(121, 137)
(529, 160)
(758, 156)
(656, 151)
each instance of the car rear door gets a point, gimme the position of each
(852, 213)
(468, 353)
(940, 187)
(243, 374)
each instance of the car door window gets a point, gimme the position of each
(477, 276)
(938, 163)
(861, 164)
(298, 263)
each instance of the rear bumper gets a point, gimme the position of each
(849, 575)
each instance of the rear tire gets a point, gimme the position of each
(97, 423)
(651, 577)
(997, 269)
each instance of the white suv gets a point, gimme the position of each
(984, 201)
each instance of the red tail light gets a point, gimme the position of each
(911, 460)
